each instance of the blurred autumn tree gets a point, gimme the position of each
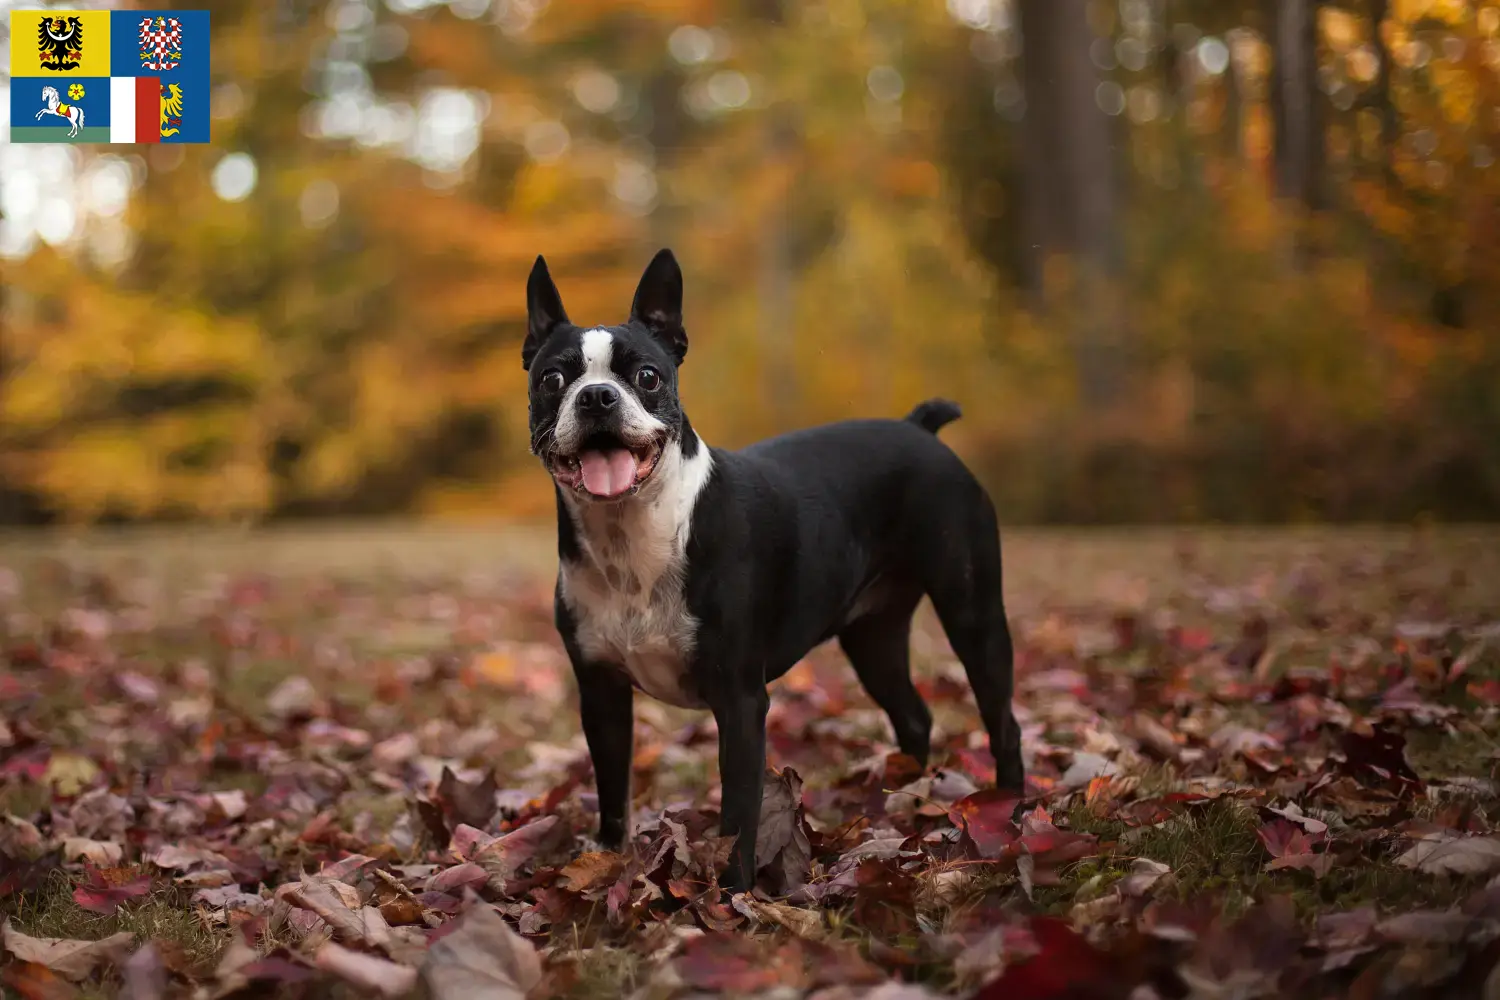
(1178, 258)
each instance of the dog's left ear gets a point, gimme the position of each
(658, 303)
(544, 310)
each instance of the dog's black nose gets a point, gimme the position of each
(598, 398)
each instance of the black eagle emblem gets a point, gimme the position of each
(59, 42)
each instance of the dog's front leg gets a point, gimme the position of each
(606, 702)
(741, 715)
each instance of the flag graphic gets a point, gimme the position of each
(134, 109)
(116, 76)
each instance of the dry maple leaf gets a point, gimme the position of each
(481, 959)
(322, 899)
(593, 868)
(988, 817)
(735, 964)
(781, 841)
(370, 973)
(104, 889)
(1458, 856)
(75, 960)
(36, 982)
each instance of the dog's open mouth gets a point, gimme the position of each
(606, 468)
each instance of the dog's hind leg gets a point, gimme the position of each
(879, 647)
(965, 587)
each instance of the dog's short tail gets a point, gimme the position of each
(934, 414)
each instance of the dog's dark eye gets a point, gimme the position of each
(647, 379)
(552, 381)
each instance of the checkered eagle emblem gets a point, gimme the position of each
(161, 43)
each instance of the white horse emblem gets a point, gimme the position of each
(72, 112)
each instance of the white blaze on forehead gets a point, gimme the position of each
(598, 355)
(636, 425)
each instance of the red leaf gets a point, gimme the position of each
(987, 816)
(36, 982)
(735, 964)
(105, 889)
(1065, 965)
(1282, 838)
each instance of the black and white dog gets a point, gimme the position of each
(700, 575)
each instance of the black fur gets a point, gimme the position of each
(934, 414)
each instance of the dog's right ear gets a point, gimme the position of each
(544, 311)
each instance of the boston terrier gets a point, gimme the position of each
(699, 575)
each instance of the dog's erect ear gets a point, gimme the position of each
(544, 311)
(658, 303)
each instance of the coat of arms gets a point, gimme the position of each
(171, 110)
(161, 43)
(59, 42)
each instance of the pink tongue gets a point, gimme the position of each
(608, 473)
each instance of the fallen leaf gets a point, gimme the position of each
(75, 960)
(591, 869)
(987, 816)
(454, 879)
(471, 803)
(104, 889)
(781, 841)
(36, 982)
(368, 972)
(321, 898)
(736, 964)
(481, 959)
(1458, 856)
(800, 921)
(103, 853)
(505, 857)
(1144, 873)
(1064, 965)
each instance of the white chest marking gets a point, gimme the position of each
(626, 590)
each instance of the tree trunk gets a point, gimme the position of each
(1234, 107)
(1040, 214)
(1070, 197)
(1295, 104)
(1385, 107)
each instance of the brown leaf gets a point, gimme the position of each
(591, 869)
(456, 878)
(802, 922)
(321, 898)
(36, 982)
(781, 841)
(368, 972)
(472, 803)
(1457, 856)
(481, 959)
(505, 857)
(1144, 873)
(74, 960)
(735, 964)
(1319, 864)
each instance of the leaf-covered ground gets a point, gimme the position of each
(350, 765)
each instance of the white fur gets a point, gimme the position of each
(646, 629)
(636, 425)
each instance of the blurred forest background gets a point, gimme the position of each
(1181, 260)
